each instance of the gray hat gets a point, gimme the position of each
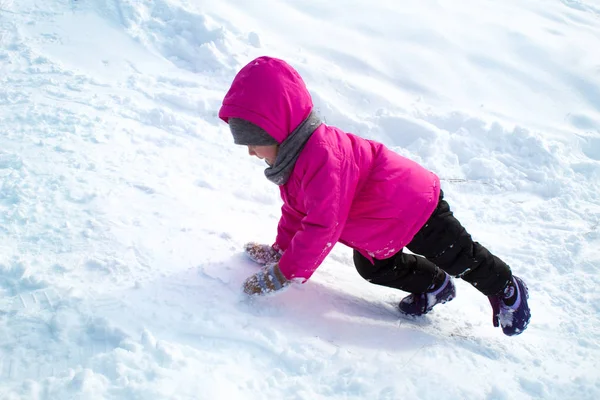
(246, 133)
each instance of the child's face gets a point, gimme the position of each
(268, 153)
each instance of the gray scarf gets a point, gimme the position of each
(290, 149)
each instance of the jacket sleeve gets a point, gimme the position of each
(328, 187)
(289, 223)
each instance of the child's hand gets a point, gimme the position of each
(267, 280)
(262, 253)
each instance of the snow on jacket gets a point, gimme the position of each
(343, 188)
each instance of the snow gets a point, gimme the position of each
(124, 204)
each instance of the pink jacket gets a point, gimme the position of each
(343, 188)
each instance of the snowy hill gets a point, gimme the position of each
(124, 203)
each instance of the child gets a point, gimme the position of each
(338, 187)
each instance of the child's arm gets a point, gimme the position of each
(329, 186)
(289, 224)
(265, 254)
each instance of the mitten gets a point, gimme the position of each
(267, 280)
(262, 253)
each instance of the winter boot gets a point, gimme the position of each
(511, 311)
(421, 303)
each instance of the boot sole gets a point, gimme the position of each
(429, 309)
(526, 297)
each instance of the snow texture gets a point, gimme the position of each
(124, 204)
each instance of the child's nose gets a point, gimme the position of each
(251, 151)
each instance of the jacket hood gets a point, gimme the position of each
(269, 93)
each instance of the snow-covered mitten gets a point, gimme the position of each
(262, 253)
(267, 280)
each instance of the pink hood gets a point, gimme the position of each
(269, 93)
(343, 188)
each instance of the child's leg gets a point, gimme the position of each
(445, 242)
(406, 272)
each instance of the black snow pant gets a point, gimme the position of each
(442, 243)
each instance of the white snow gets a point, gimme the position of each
(124, 204)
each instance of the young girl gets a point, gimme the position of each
(338, 187)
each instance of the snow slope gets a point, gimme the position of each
(124, 203)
